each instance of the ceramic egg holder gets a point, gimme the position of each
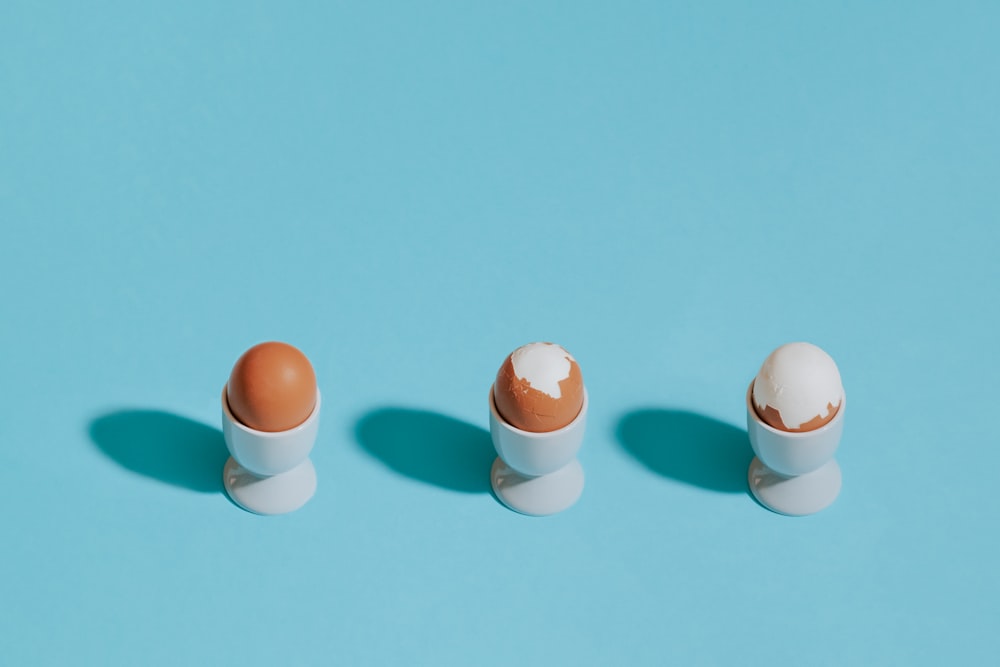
(269, 472)
(537, 473)
(794, 473)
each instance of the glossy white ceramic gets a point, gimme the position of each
(537, 496)
(276, 494)
(794, 473)
(269, 453)
(537, 473)
(793, 453)
(795, 496)
(269, 473)
(534, 454)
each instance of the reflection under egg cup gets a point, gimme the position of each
(794, 473)
(269, 472)
(537, 473)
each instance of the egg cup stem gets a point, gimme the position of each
(274, 494)
(541, 495)
(797, 495)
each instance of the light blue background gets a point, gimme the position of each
(409, 191)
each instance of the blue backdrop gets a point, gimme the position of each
(409, 191)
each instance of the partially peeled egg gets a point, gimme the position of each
(798, 388)
(539, 388)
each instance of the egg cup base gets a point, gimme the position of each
(798, 495)
(537, 496)
(276, 494)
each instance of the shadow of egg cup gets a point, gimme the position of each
(429, 447)
(163, 446)
(688, 447)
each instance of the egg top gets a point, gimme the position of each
(798, 388)
(539, 388)
(272, 387)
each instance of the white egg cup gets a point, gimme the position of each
(269, 472)
(794, 473)
(537, 473)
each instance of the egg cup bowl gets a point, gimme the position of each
(269, 472)
(537, 473)
(794, 473)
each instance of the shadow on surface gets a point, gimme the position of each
(164, 446)
(429, 447)
(688, 447)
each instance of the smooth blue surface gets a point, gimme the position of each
(407, 192)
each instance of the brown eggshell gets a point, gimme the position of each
(772, 418)
(529, 409)
(272, 387)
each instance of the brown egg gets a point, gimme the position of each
(539, 388)
(272, 387)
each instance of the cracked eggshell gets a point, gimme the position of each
(798, 388)
(539, 388)
(272, 387)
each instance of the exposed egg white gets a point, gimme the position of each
(543, 366)
(800, 381)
